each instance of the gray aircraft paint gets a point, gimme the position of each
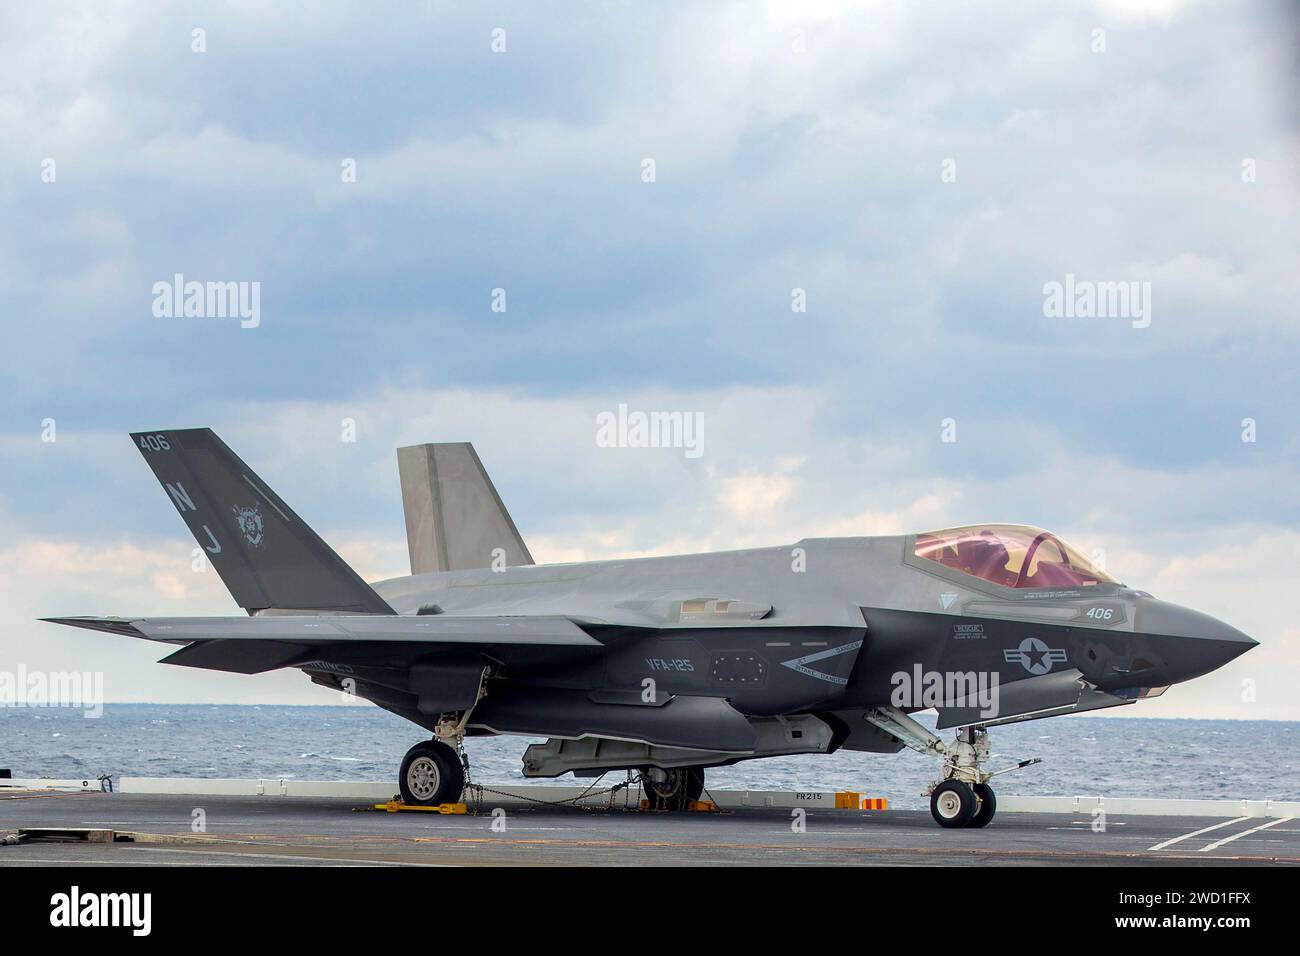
(454, 516)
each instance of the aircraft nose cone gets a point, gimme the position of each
(1190, 642)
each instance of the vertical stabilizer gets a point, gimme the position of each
(454, 517)
(266, 555)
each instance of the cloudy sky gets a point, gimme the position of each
(921, 170)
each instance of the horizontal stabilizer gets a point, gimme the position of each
(110, 625)
(237, 657)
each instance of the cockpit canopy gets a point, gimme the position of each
(1012, 555)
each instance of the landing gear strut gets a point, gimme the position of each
(433, 772)
(672, 789)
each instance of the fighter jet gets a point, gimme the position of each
(667, 666)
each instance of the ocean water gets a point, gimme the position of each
(1112, 756)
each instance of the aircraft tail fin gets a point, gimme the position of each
(454, 517)
(265, 554)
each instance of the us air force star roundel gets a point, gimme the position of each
(1035, 656)
(250, 523)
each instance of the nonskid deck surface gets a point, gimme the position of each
(332, 831)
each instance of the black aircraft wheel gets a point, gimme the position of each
(695, 784)
(677, 791)
(431, 774)
(988, 806)
(952, 804)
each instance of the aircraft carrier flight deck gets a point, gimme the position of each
(159, 829)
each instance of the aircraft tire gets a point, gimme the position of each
(988, 806)
(431, 774)
(695, 784)
(683, 787)
(952, 804)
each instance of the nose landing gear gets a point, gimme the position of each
(962, 797)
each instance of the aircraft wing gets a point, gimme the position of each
(313, 629)
(251, 645)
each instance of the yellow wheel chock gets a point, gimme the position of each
(397, 806)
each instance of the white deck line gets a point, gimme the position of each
(1188, 836)
(1238, 836)
(1149, 806)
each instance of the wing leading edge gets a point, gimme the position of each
(312, 629)
(253, 645)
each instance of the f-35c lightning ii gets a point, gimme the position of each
(669, 665)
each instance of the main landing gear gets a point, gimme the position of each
(433, 771)
(962, 797)
(672, 789)
(431, 774)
